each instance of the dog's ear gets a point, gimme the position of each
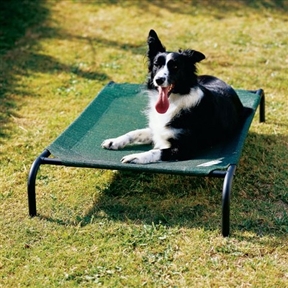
(154, 45)
(194, 55)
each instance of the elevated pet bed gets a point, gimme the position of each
(117, 110)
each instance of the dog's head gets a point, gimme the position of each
(170, 72)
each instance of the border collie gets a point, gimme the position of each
(186, 113)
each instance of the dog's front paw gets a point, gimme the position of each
(110, 144)
(142, 158)
(132, 158)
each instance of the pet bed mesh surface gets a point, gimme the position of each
(118, 109)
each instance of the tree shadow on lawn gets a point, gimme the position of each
(16, 16)
(216, 8)
(259, 201)
(22, 26)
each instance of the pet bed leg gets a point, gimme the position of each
(31, 183)
(227, 186)
(262, 106)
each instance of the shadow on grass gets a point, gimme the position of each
(259, 190)
(16, 16)
(216, 8)
(259, 201)
(22, 25)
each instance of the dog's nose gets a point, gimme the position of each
(160, 80)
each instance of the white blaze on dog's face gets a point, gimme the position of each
(162, 79)
(163, 73)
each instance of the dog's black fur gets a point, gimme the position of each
(186, 112)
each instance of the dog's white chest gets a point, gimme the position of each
(160, 132)
(158, 122)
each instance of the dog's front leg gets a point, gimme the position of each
(140, 136)
(156, 155)
(150, 156)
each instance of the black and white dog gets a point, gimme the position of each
(186, 112)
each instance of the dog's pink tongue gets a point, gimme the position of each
(162, 104)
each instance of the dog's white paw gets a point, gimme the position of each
(143, 158)
(132, 158)
(111, 144)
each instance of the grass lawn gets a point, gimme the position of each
(115, 229)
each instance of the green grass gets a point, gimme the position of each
(118, 229)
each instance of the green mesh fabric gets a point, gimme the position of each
(119, 108)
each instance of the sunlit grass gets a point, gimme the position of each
(119, 229)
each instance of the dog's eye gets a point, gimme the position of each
(172, 65)
(157, 64)
(159, 61)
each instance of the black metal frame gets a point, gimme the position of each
(43, 159)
